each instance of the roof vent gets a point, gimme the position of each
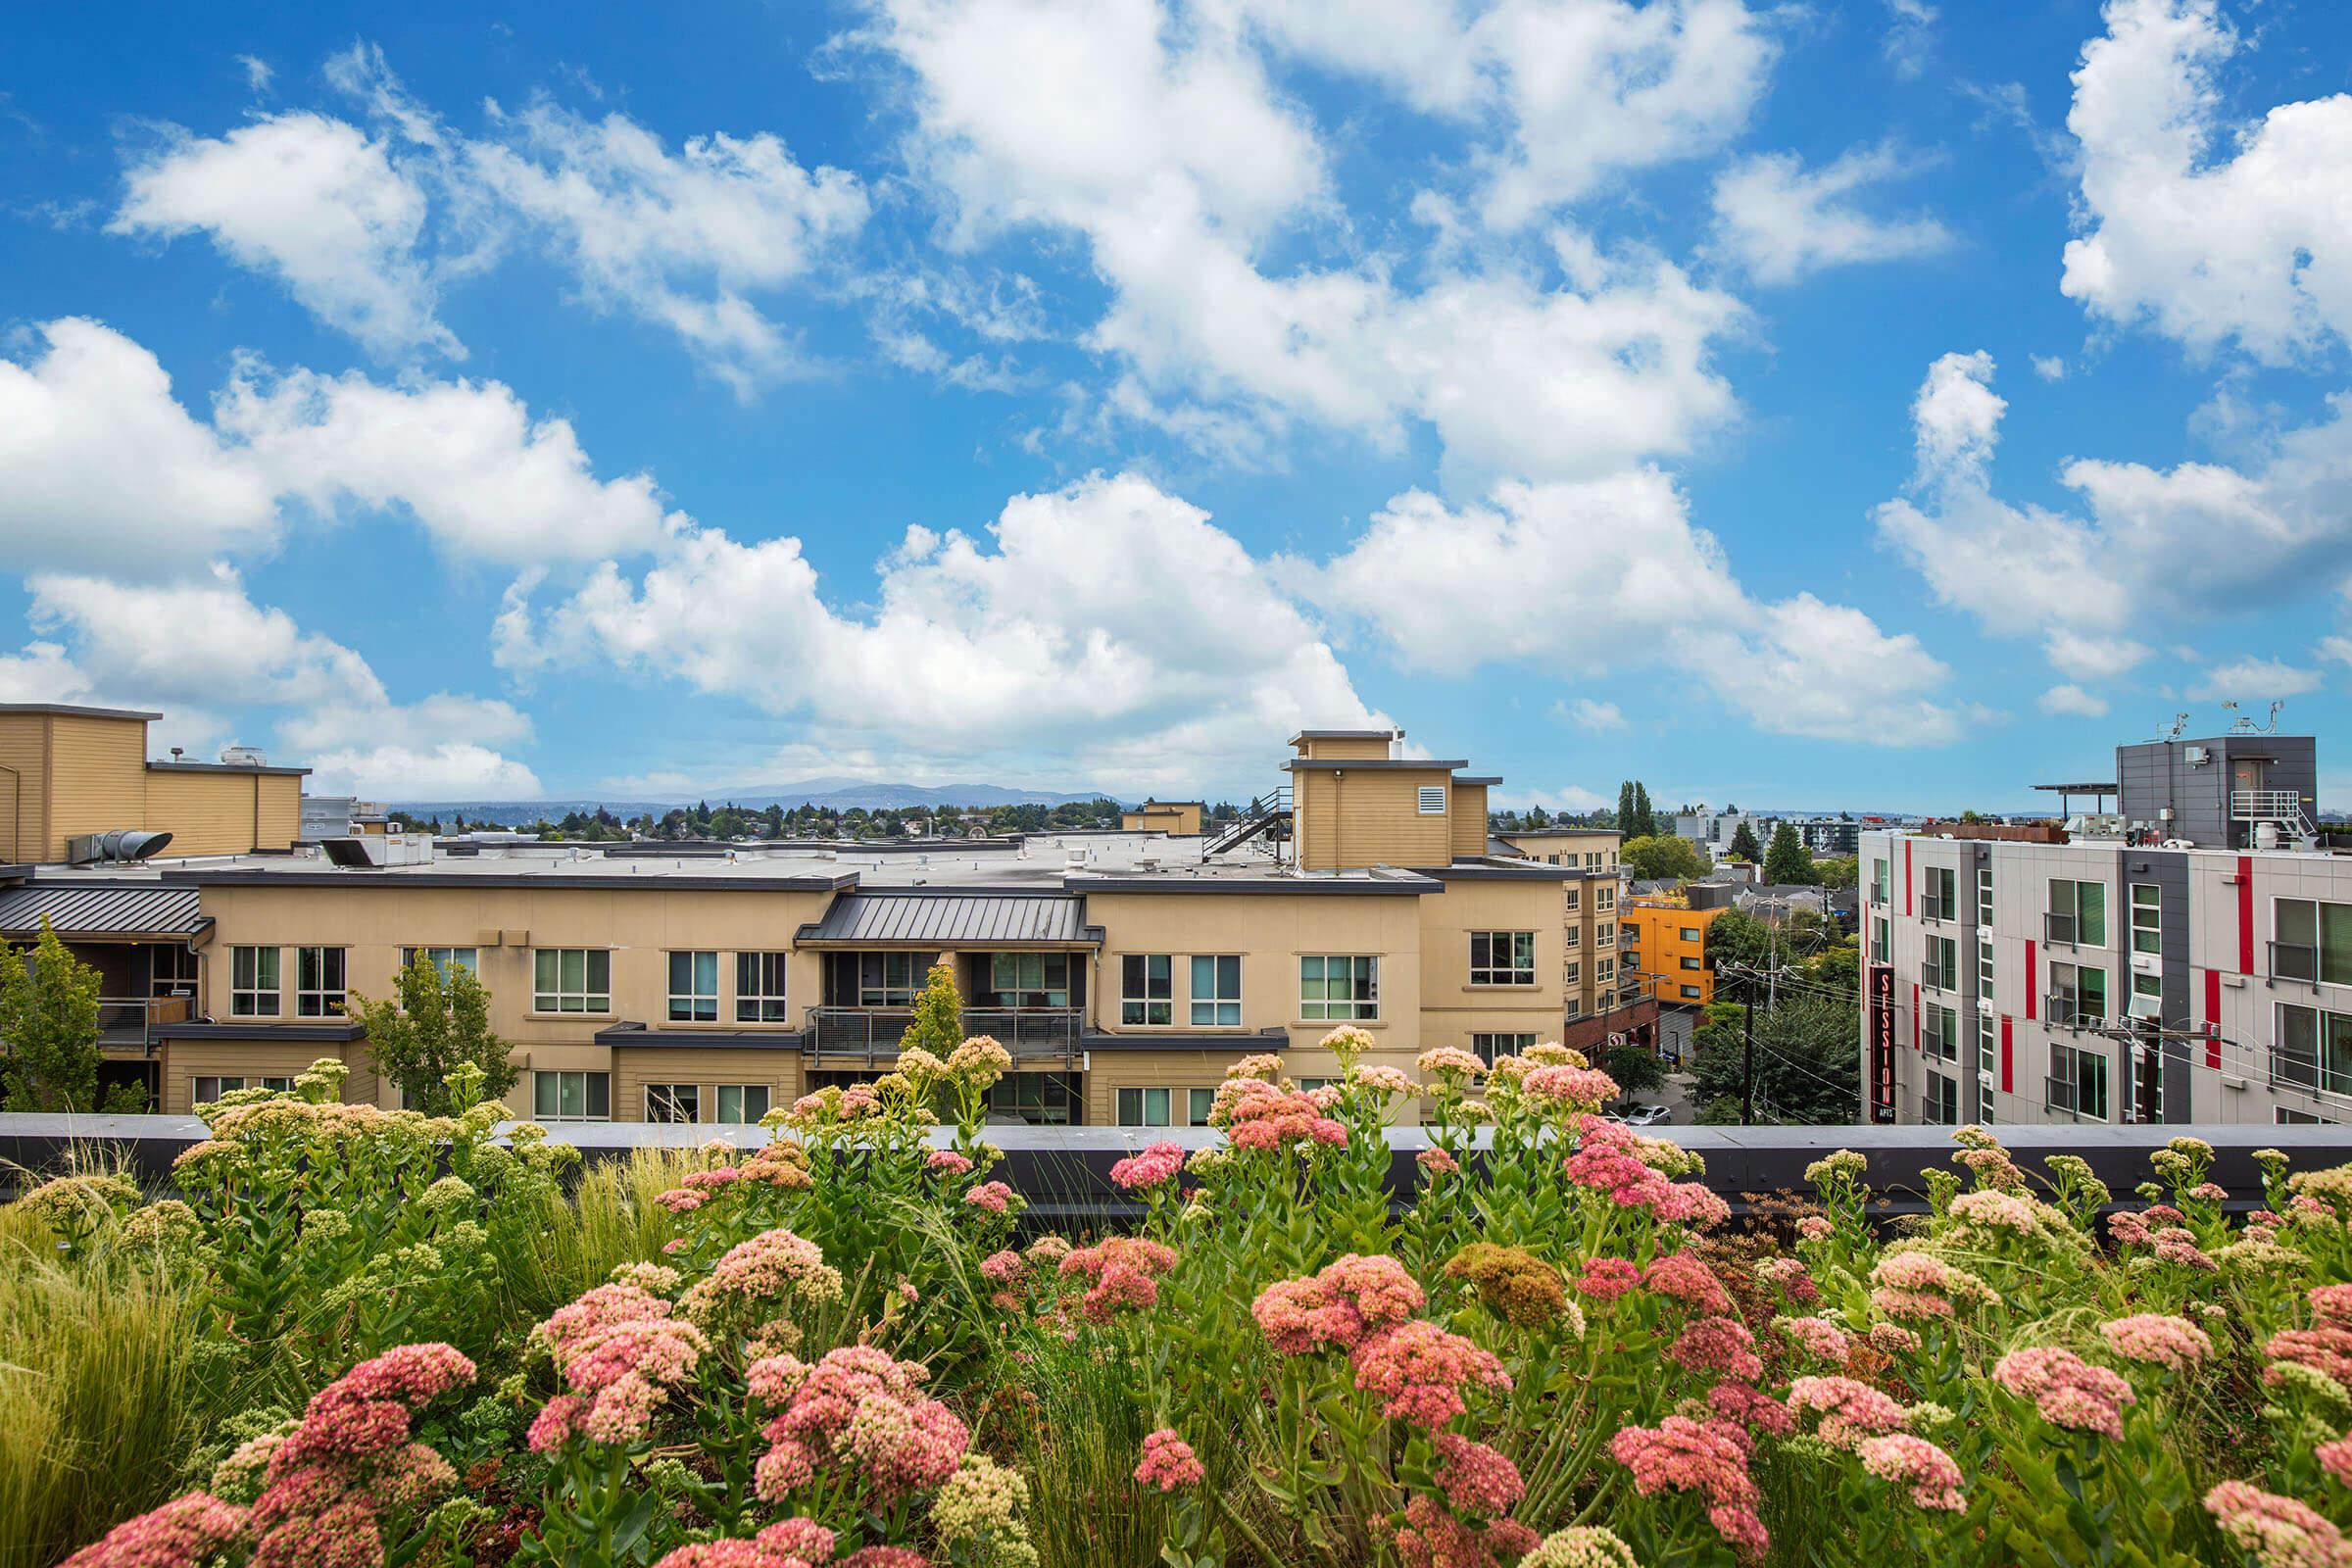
(121, 843)
(243, 756)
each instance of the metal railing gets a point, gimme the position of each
(2266, 806)
(2296, 1070)
(872, 1034)
(1935, 977)
(1932, 908)
(2059, 928)
(1260, 816)
(2064, 1010)
(130, 1020)
(2294, 961)
(1936, 1112)
(2064, 1094)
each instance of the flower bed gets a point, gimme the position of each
(844, 1347)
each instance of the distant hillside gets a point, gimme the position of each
(832, 794)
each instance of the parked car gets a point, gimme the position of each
(1643, 1116)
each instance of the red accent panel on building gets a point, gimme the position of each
(2245, 914)
(1906, 876)
(2213, 1017)
(2005, 1057)
(1915, 1030)
(2031, 1003)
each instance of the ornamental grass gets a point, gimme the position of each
(355, 1338)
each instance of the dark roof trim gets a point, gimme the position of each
(638, 1034)
(1411, 883)
(404, 877)
(1421, 764)
(1229, 1045)
(1482, 872)
(74, 711)
(1342, 735)
(1556, 832)
(1465, 778)
(324, 1032)
(224, 767)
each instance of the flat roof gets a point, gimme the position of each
(1488, 778)
(78, 711)
(1343, 735)
(1424, 765)
(155, 767)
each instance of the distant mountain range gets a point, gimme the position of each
(836, 794)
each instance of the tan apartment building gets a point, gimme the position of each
(1125, 973)
(1176, 818)
(68, 772)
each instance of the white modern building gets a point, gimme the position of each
(2187, 958)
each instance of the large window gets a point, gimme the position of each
(1338, 987)
(1029, 979)
(2077, 994)
(208, 1088)
(1878, 881)
(887, 980)
(1939, 1031)
(571, 980)
(1938, 898)
(1216, 990)
(1163, 1107)
(742, 1103)
(1502, 957)
(1984, 972)
(1604, 969)
(1572, 937)
(2078, 1082)
(1037, 1098)
(253, 983)
(760, 988)
(1878, 938)
(2078, 913)
(446, 959)
(1147, 988)
(693, 988)
(170, 971)
(2147, 918)
(2313, 942)
(1604, 898)
(1941, 1107)
(571, 1096)
(1488, 1046)
(1941, 970)
(1984, 899)
(2314, 1050)
(1604, 934)
(318, 982)
(1574, 897)
(674, 1101)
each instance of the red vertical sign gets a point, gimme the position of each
(1882, 1042)
(2213, 1017)
(2006, 1088)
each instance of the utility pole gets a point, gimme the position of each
(1747, 1062)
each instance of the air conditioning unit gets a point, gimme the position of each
(2198, 756)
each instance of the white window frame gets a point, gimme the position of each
(2073, 1058)
(763, 1000)
(1361, 977)
(446, 959)
(1487, 1046)
(256, 975)
(1429, 800)
(587, 998)
(230, 1081)
(673, 1103)
(1223, 1008)
(586, 1076)
(314, 1001)
(700, 966)
(1517, 966)
(1154, 1005)
(2147, 936)
(1137, 1111)
(745, 1113)
(1573, 898)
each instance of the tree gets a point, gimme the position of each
(439, 1023)
(1626, 815)
(1743, 842)
(1808, 1069)
(1645, 821)
(49, 1028)
(1737, 939)
(1662, 858)
(1839, 872)
(937, 1025)
(1635, 1069)
(1787, 860)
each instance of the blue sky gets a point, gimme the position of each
(1841, 404)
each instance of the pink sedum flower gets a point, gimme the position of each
(1156, 1167)
(2276, 1532)
(1902, 1459)
(1850, 1410)
(1706, 1457)
(1418, 1371)
(1476, 1481)
(2336, 1458)
(994, 1197)
(1681, 1277)
(1338, 1305)
(2066, 1390)
(1605, 1279)
(2159, 1340)
(1168, 1462)
(947, 1160)
(1719, 1345)
(184, 1533)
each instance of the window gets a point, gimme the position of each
(1147, 989)
(693, 988)
(2314, 1050)
(2313, 942)
(207, 1089)
(1986, 1062)
(318, 982)
(1943, 1105)
(2147, 996)
(1572, 1008)
(571, 980)
(887, 980)
(1690, 933)
(1488, 1046)
(1502, 957)
(1216, 990)
(253, 980)
(1432, 800)
(2286, 1117)
(1604, 934)
(1939, 1031)
(1575, 896)
(1604, 969)
(1984, 899)
(1689, 993)
(1029, 979)
(446, 959)
(2078, 1082)
(1036, 1098)
(759, 989)
(571, 1096)
(2147, 918)
(1984, 971)
(1938, 898)
(1338, 987)
(1688, 961)
(2077, 994)
(742, 1103)
(1878, 882)
(1145, 1108)
(1573, 972)
(1604, 899)
(1574, 938)
(2078, 913)
(673, 1102)
(1942, 971)
(1878, 938)
(170, 972)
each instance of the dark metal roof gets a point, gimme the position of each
(322, 1031)
(1418, 764)
(954, 919)
(225, 767)
(77, 710)
(629, 1032)
(1240, 1045)
(142, 908)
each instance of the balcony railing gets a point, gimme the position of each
(2296, 1070)
(128, 1022)
(2064, 1094)
(873, 1033)
(1934, 976)
(2294, 961)
(1932, 908)
(1937, 1111)
(2064, 1010)
(2266, 806)
(2058, 928)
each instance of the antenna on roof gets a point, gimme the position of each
(2274, 707)
(2179, 724)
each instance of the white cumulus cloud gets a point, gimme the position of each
(1782, 221)
(2072, 699)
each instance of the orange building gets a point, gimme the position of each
(1669, 947)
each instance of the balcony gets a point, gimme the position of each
(126, 1024)
(872, 1034)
